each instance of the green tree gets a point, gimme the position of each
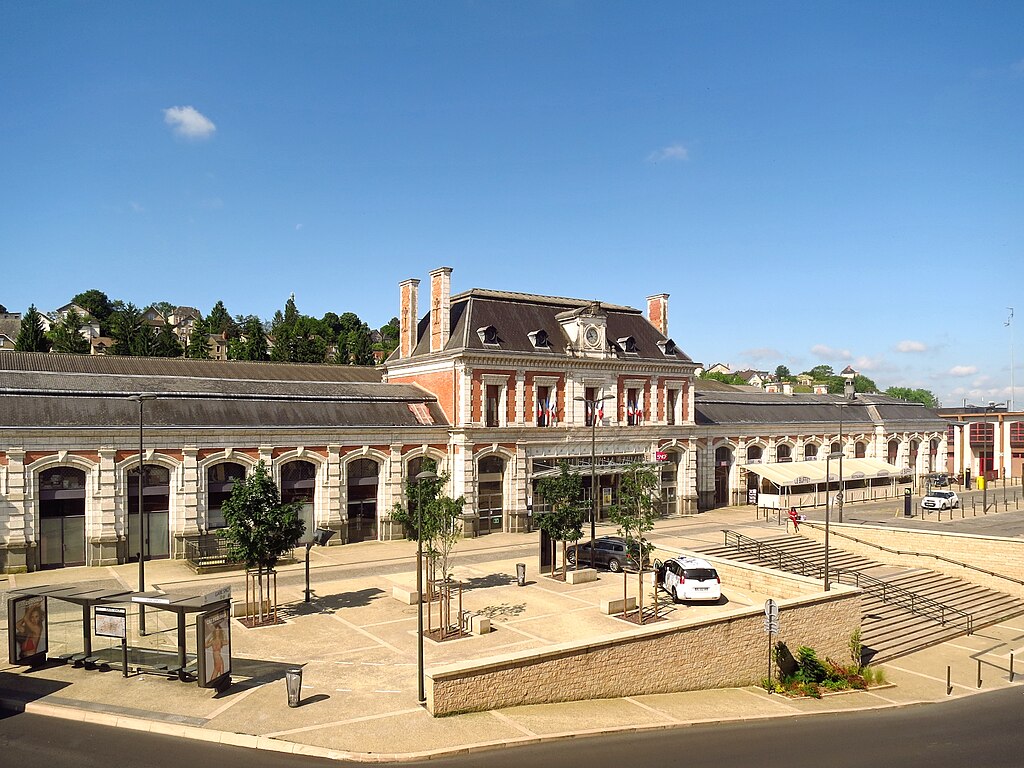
(923, 396)
(163, 307)
(725, 378)
(360, 349)
(220, 321)
(255, 345)
(130, 333)
(634, 514)
(564, 494)
(166, 343)
(260, 529)
(67, 336)
(97, 304)
(32, 335)
(821, 372)
(782, 373)
(198, 348)
(441, 517)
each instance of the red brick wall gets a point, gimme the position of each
(441, 385)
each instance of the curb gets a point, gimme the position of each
(269, 744)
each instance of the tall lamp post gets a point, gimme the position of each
(425, 475)
(141, 399)
(592, 410)
(841, 497)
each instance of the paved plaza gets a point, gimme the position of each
(356, 645)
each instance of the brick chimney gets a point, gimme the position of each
(440, 307)
(657, 312)
(408, 317)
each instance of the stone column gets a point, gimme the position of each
(101, 533)
(17, 533)
(520, 397)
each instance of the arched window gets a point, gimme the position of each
(363, 478)
(298, 483)
(220, 479)
(860, 450)
(810, 451)
(754, 453)
(784, 453)
(836, 447)
(156, 506)
(894, 451)
(61, 517)
(490, 498)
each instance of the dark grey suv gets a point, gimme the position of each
(609, 552)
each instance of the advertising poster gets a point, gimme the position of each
(214, 646)
(28, 638)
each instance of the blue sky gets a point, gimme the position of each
(821, 182)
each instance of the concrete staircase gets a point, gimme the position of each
(889, 628)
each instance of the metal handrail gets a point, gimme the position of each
(943, 558)
(884, 591)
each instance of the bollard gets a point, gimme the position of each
(979, 673)
(521, 574)
(949, 682)
(1011, 666)
(293, 683)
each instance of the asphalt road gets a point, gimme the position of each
(983, 730)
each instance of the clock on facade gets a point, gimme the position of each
(592, 336)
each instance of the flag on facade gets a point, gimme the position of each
(600, 410)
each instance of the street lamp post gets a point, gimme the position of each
(592, 407)
(425, 475)
(981, 469)
(141, 398)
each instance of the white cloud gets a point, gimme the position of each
(762, 353)
(911, 346)
(875, 364)
(671, 152)
(189, 122)
(299, 226)
(963, 370)
(136, 207)
(825, 351)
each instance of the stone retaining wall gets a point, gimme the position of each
(993, 553)
(725, 651)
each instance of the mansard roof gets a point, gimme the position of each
(81, 391)
(514, 316)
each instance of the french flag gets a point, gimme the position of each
(600, 411)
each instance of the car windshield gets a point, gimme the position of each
(942, 495)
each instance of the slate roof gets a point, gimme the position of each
(515, 315)
(81, 391)
(733, 406)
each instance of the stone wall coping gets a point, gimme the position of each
(813, 585)
(844, 527)
(574, 648)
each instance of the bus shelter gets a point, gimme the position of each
(92, 628)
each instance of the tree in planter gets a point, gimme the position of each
(564, 493)
(635, 514)
(440, 520)
(260, 529)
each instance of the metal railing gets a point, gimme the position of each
(884, 591)
(943, 558)
(207, 552)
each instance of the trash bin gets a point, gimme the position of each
(521, 574)
(293, 682)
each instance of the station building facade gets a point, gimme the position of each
(496, 388)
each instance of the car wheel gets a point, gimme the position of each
(570, 558)
(675, 594)
(614, 565)
(957, 505)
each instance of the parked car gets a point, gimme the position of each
(940, 500)
(609, 552)
(689, 578)
(940, 481)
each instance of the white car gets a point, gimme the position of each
(940, 500)
(689, 578)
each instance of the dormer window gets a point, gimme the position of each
(668, 347)
(628, 345)
(539, 339)
(489, 336)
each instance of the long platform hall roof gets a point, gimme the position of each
(790, 473)
(40, 390)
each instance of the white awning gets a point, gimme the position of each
(813, 472)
